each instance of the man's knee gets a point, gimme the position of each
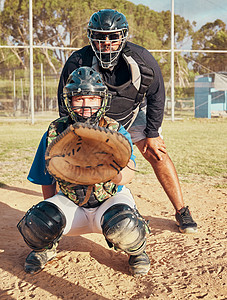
(42, 225)
(153, 159)
(124, 228)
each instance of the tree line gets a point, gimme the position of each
(63, 23)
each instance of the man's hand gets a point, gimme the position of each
(154, 145)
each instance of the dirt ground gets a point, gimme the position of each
(183, 266)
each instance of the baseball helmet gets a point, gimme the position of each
(81, 82)
(112, 24)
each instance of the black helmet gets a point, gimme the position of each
(81, 82)
(111, 23)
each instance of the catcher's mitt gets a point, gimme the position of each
(86, 155)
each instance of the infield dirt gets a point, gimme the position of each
(183, 266)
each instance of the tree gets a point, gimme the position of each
(64, 23)
(56, 23)
(211, 36)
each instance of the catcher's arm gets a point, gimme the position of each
(49, 190)
(125, 175)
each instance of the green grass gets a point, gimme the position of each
(196, 146)
(18, 144)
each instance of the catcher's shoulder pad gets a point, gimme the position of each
(85, 154)
(56, 127)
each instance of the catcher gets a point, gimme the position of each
(90, 158)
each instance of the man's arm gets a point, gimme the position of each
(155, 98)
(73, 62)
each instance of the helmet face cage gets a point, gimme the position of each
(86, 82)
(112, 24)
(95, 117)
(107, 59)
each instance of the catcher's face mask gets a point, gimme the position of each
(86, 106)
(85, 96)
(107, 46)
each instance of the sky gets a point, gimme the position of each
(201, 11)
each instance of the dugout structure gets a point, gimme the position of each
(211, 95)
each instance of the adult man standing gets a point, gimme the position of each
(134, 79)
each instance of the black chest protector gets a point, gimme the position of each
(126, 98)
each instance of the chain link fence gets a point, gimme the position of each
(15, 92)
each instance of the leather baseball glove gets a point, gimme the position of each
(86, 155)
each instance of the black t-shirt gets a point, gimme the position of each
(118, 76)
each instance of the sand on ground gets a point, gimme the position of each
(183, 266)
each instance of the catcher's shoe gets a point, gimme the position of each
(36, 261)
(184, 221)
(139, 265)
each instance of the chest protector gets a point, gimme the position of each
(100, 192)
(131, 94)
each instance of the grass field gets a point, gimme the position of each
(198, 147)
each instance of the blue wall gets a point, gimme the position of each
(207, 98)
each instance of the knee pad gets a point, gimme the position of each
(123, 227)
(42, 225)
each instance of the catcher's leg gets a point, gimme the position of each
(36, 261)
(139, 264)
(124, 228)
(41, 228)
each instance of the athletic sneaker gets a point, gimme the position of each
(184, 221)
(139, 265)
(36, 261)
